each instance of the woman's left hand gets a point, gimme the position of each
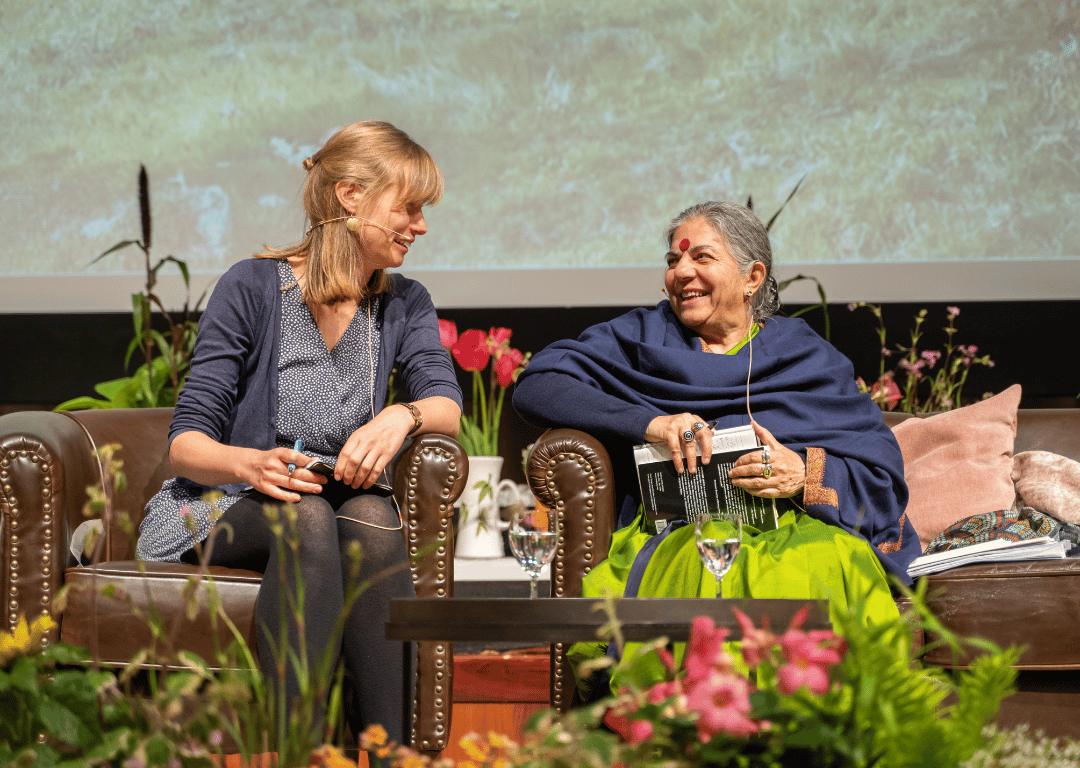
(788, 470)
(370, 448)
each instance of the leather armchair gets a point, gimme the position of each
(1022, 603)
(47, 461)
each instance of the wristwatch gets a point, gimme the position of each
(418, 419)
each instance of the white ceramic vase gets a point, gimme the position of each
(479, 533)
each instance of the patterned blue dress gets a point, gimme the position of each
(323, 397)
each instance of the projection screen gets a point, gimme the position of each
(937, 142)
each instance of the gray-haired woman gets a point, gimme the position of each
(712, 353)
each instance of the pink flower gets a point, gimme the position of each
(953, 311)
(757, 643)
(809, 656)
(705, 650)
(931, 357)
(448, 333)
(886, 391)
(663, 691)
(631, 731)
(471, 350)
(505, 365)
(722, 702)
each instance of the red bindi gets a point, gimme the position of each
(684, 244)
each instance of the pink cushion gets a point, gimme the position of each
(959, 463)
(1048, 482)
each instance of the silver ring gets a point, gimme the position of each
(688, 436)
(765, 457)
(767, 472)
(698, 425)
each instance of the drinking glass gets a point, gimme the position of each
(534, 534)
(716, 545)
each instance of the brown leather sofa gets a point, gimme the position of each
(47, 461)
(1034, 604)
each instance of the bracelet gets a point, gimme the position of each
(418, 419)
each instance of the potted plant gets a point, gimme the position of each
(475, 351)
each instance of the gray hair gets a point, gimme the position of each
(747, 241)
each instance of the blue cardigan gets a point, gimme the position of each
(231, 394)
(618, 376)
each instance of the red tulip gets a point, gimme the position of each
(471, 350)
(448, 333)
(505, 366)
(499, 339)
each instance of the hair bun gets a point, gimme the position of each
(308, 164)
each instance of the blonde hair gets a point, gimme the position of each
(375, 156)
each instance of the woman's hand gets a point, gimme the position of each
(204, 460)
(672, 430)
(786, 478)
(371, 447)
(268, 472)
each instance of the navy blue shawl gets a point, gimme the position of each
(618, 376)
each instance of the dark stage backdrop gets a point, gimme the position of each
(54, 357)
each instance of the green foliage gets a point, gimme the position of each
(881, 708)
(157, 381)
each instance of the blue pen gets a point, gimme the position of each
(297, 446)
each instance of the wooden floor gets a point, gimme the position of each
(492, 692)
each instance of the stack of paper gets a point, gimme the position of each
(997, 551)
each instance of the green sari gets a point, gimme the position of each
(803, 558)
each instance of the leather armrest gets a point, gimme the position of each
(429, 477)
(46, 463)
(570, 472)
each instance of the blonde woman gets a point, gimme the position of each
(291, 366)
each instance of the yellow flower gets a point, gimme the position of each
(412, 761)
(470, 742)
(501, 741)
(373, 736)
(328, 756)
(24, 639)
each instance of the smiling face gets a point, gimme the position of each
(388, 228)
(704, 286)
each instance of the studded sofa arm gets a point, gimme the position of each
(570, 473)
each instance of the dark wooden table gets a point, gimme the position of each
(570, 619)
(563, 620)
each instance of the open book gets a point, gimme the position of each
(667, 496)
(996, 551)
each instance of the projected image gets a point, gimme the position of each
(569, 133)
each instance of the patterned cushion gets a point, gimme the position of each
(1048, 482)
(1008, 524)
